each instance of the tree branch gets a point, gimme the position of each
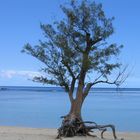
(90, 42)
(118, 81)
(86, 91)
(76, 45)
(68, 68)
(105, 82)
(63, 82)
(72, 89)
(96, 41)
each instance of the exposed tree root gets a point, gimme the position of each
(75, 127)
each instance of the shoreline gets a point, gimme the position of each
(23, 133)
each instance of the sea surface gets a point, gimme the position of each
(42, 107)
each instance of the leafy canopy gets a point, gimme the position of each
(75, 44)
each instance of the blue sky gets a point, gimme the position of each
(20, 23)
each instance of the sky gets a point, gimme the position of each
(20, 23)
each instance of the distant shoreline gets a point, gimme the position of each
(16, 133)
(60, 88)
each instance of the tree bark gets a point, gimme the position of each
(75, 110)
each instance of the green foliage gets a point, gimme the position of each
(75, 44)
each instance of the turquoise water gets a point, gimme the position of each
(42, 107)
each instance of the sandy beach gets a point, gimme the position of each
(16, 133)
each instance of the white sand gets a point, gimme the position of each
(15, 133)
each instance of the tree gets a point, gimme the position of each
(76, 47)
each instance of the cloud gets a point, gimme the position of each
(13, 73)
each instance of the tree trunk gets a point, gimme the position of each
(76, 106)
(73, 125)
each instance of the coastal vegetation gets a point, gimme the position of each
(76, 53)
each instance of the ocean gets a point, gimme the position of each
(42, 107)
